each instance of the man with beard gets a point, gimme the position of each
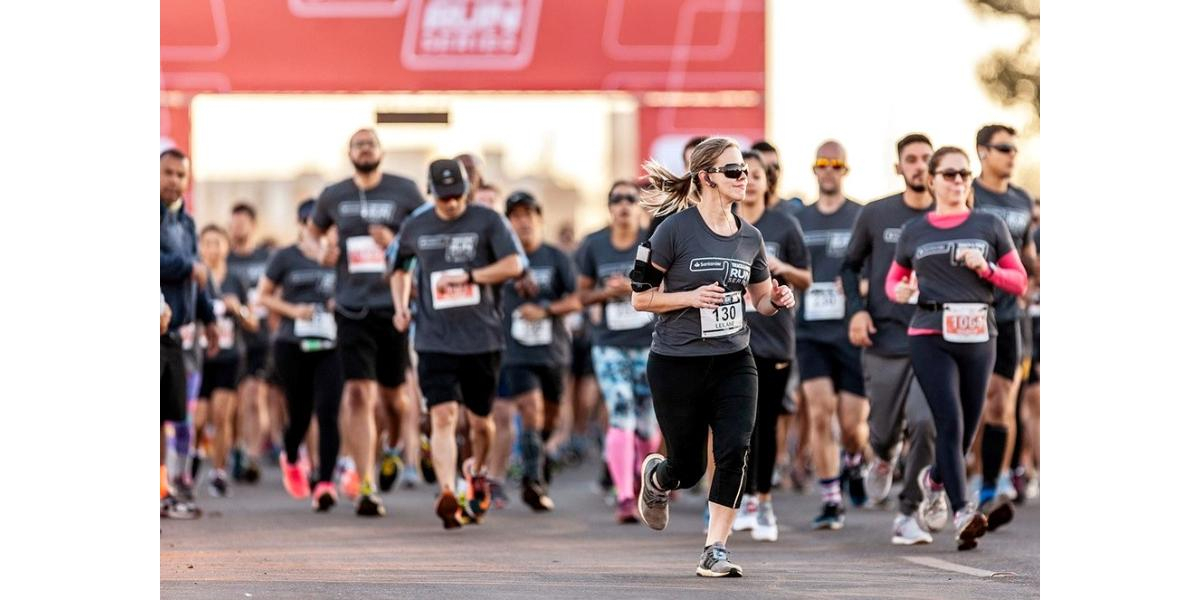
(367, 210)
(880, 327)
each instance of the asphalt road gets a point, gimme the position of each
(259, 543)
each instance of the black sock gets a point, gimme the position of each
(994, 439)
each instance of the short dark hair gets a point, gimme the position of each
(620, 183)
(987, 132)
(173, 153)
(692, 143)
(242, 207)
(912, 138)
(763, 146)
(214, 228)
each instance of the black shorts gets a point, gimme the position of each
(1008, 349)
(1035, 369)
(172, 380)
(218, 376)
(519, 379)
(256, 363)
(371, 348)
(840, 361)
(581, 357)
(469, 379)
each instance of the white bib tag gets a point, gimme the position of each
(322, 325)
(363, 255)
(187, 336)
(965, 323)
(454, 296)
(622, 316)
(723, 320)
(531, 333)
(259, 309)
(1035, 310)
(824, 302)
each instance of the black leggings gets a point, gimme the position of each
(954, 378)
(692, 394)
(772, 385)
(308, 377)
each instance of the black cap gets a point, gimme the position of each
(447, 179)
(521, 198)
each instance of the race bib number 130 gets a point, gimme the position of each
(723, 320)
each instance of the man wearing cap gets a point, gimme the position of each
(537, 347)
(367, 210)
(460, 251)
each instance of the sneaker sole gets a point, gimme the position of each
(702, 572)
(1000, 516)
(973, 531)
(324, 503)
(764, 538)
(366, 512)
(642, 504)
(833, 526)
(447, 511)
(902, 541)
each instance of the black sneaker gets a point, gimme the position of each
(237, 464)
(251, 473)
(389, 471)
(833, 516)
(369, 505)
(652, 502)
(855, 485)
(534, 494)
(183, 490)
(714, 562)
(174, 508)
(218, 486)
(999, 512)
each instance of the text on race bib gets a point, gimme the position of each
(726, 319)
(824, 302)
(452, 295)
(622, 316)
(531, 333)
(965, 323)
(322, 325)
(363, 255)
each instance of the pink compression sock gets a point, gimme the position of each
(619, 454)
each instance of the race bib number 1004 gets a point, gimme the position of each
(965, 323)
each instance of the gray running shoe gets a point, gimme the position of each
(934, 511)
(879, 479)
(714, 562)
(652, 502)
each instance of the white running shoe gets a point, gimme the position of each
(879, 479)
(746, 515)
(934, 511)
(1004, 486)
(765, 528)
(906, 531)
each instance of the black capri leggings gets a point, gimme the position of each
(692, 394)
(954, 378)
(772, 386)
(308, 378)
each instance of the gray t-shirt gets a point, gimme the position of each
(822, 307)
(544, 342)
(620, 325)
(303, 281)
(1015, 208)
(466, 319)
(774, 337)
(695, 256)
(362, 265)
(248, 268)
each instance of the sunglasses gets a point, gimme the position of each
(951, 175)
(829, 163)
(619, 198)
(733, 172)
(1005, 148)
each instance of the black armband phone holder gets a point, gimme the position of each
(644, 276)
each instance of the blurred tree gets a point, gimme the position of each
(1014, 77)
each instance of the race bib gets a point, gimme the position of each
(453, 296)
(574, 321)
(531, 333)
(965, 323)
(622, 316)
(363, 255)
(1035, 311)
(723, 320)
(259, 309)
(321, 325)
(187, 336)
(824, 302)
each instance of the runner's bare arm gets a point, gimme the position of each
(499, 271)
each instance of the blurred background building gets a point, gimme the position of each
(561, 97)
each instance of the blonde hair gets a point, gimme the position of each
(667, 193)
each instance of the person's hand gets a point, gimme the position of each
(303, 312)
(781, 295)
(532, 312)
(709, 296)
(213, 337)
(164, 319)
(906, 288)
(200, 273)
(973, 259)
(447, 282)
(329, 254)
(526, 286)
(402, 319)
(232, 305)
(381, 234)
(618, 286)
(861, 328)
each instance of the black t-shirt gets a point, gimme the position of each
(1015, 208)
(873, 245)
(933, 253)
(303, 281)
(544, 342)
(774, 337)
(362, 265)
(822, 308)
(620, 325)
(231, 336)
(248, 268)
